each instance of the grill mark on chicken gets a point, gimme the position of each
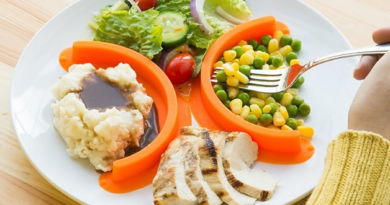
(210, 146)
(230, 177)
(264, 195)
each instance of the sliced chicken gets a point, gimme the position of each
(194, 178)
(238, 156)
(169, 184)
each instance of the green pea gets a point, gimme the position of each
(291, 122)
(221, 94)
(222, 59)
(277, 62)
(270, 59)
(273, 108)
(239, 51)
(258, 63)
(296, 100)
(227, 104)
(253, 43)
(292, 111)
(265, 40)
(244, 97)
(262, 48)
(304, 109)
(296, 45)
(285, 40)
(291, 56)
(217, 87)
(221, 76)
(245, 69)
(252, 119)
(266, 119)
(299, 82)
(251, 66)
(277, 96)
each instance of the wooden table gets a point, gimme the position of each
(20, 183)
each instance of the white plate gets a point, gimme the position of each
(329, 90)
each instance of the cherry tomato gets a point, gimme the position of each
(146, 4)
(180, 68)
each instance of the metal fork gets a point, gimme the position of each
(274, 81)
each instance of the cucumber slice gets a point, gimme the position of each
(174, 28)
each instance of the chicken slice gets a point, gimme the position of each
(169, 184)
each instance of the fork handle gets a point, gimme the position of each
(370, 50)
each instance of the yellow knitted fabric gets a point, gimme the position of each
(357, 171)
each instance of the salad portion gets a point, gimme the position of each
(175, 34)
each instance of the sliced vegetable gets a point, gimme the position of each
(228, 17)
(180, 68)
(198, 14)
(174, 28)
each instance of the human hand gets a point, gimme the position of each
(370, 108)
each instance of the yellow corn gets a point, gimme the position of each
(232, 81)
(285, 50)
(306, 131)
(242, 43)
(284, 112)
(281, 67)
(286, 100)
(300, 122)
(246, 59)
(255, 109)
(278, 35)
(271, 67)
(229, 55)
(265, 67)
(263, 96)
(245, 112)
(247, 48)
(271, 126)
(286, 127)
(269, 100)
(236, 60)
(263, 55)
(228, 68)
(294, 61)
(218, 64)
(252, 93)
(251, 52)
(273, 45)
(241, 77)
(293, 91)
(235, 66)
(279, 119)
(256, 101)
(267, 109)
(236, 106)
(277, 54)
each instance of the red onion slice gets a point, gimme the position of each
(197, 13)
(228, 17)
(132, 2)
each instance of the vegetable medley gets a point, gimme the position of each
(276, 111)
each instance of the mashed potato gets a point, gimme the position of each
(100, 135)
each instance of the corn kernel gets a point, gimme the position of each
(251, 52)
(286, 127)
(294, 62)
(252, 93)
(241, 77)
(271, 126)
(228, 69)
(278, 119)
(232, 81)
(281, 67)
(271, 67)
(300, 122)
(245, 112)
(265, 67)
(236, 60)
(235, 66)
(306, 131)
(267, 109)
(247, 48)
(255, 109)
(229, 55)
(286, 100)
(233, 92)
(263, 55)
(256, 101)
(293, 91)
(278, 35)
(263, 96)
(242, 43)
(284, 112)
(285, 50)
(218, 64)
(246, 59)
(236, 106)
(269, 100)
(273, 45)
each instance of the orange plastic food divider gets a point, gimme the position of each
(267, 139)
(158, 86)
